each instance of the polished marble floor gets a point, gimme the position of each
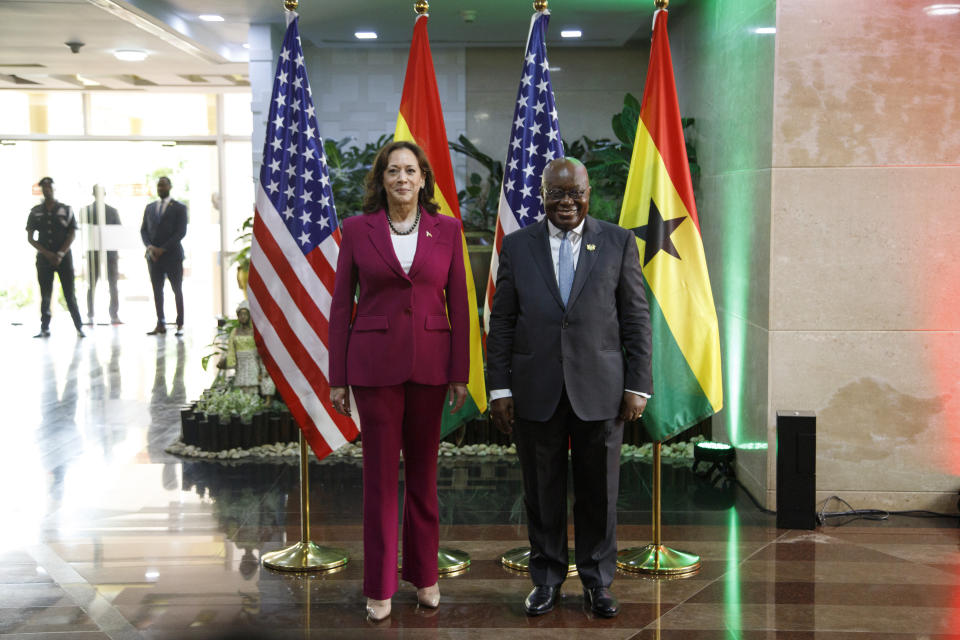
(104, 535)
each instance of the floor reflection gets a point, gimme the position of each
(57, 439)
(106, 535)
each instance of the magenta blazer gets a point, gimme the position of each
(407, 328)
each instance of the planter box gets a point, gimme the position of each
(208, 433)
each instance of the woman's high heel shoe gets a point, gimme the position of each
(429, 596)
(378, 610)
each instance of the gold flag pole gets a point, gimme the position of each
(305, 555)
(518, 559)
(449, 561)
(656, 558)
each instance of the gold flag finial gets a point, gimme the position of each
(661, 4)
(540, 5)
(290, 5)
(421, 7)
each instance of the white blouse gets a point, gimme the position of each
(405, 247)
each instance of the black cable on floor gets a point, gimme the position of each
(755, 502)
(871, 514)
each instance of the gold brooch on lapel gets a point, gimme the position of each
(429, 235)
(591, 247)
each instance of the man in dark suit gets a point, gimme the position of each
(164, 226)
(568, 361)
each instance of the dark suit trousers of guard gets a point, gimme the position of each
(595, 447)
(403, 416)
(64, 270)
(173, 271)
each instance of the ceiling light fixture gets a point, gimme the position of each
(156, 27)
(130, 55)
(765, 30)
(571, 33)
(211, 17)
(942, 9)
(365, 35)
(245, 45)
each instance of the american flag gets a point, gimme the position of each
(293, 257)
(534, 141)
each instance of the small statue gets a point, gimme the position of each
(250, 375)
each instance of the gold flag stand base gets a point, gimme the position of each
(658, 560)
(452, 561)
(519, 560)
(305, 556)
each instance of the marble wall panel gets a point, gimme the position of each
(743, 419)
(724, 76)
(865, 249)
(864, 83)
(735, 225)
(357, 91)
(588, 87)
(887, 405)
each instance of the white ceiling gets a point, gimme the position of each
(185, 52)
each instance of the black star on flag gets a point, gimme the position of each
(656, 234)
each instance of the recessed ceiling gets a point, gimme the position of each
(186, 52)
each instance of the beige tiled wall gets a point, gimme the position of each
(830, 163)
(864, 274)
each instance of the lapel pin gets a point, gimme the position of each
(591, 247)
(429, 235)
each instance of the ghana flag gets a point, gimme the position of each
(421, 121)
(658, 207)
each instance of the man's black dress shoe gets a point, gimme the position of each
(541, 600)
(601, 601)
(157, 331)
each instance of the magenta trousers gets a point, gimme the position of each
(402, 417)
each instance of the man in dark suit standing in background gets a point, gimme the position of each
(568, 361)
(164, 226)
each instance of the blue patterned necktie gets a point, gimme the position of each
(565, 268)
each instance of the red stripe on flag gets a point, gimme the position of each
(492, 276)
(309, 429)
(277, 317)
(661, 115)
(424, 115)
(301, 297)
(304, 362)
(325, 272)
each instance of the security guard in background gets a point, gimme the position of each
(51, 228)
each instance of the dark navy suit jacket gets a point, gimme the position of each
(165, 231)
(596, 346)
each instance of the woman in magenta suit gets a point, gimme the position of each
(402, 347)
